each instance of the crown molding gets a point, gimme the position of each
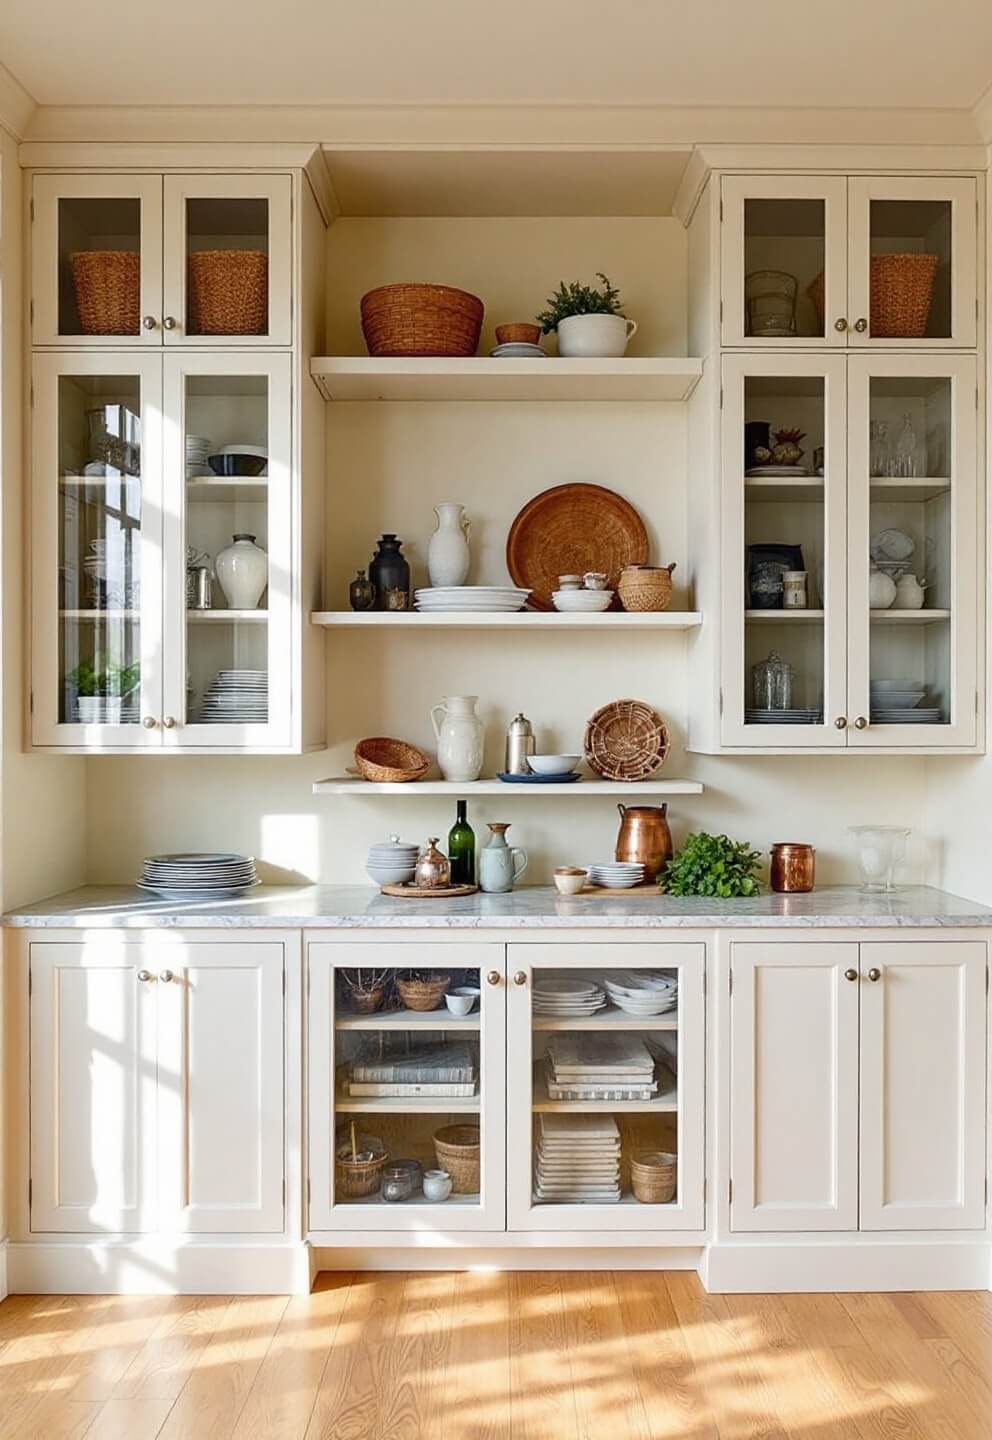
(983, 115)
(17, 107)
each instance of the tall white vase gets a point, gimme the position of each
(243, 572)
(448, 553)
(460, 736)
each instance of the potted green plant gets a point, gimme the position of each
(712, 865)
(101, 687)
(589, 321)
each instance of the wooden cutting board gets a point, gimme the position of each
(589, 892)
(416, 892)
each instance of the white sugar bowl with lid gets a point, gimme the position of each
(391, 862)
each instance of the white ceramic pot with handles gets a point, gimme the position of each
(460, 736)
(594, 336)
(447, 552)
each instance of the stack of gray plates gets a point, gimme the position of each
(197, 876)
(236, 697)
(784, 717)
(518, 350)
(918, 715)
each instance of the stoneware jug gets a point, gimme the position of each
(500, 864)
(644, 838)
(881, 590)
(460, 738)
(243, 572)
(448, 553)
(594, 335)
(910, 593)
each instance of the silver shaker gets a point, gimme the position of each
(520, 746)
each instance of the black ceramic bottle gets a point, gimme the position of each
(461, 848)
(390, 574)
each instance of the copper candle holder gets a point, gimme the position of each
(793, 868)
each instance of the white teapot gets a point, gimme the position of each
(881, 590)
(910, 592)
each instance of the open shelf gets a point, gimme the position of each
(798, 487)
(610, 1019)
(227, 617)
(612, 620)
(409, 1020)
(914, 490)
(97, 615)
(666, 1101)
(215, 490)
(909, 617)
(401, 1105)
(355, 785)
(360, 377)
(783, 617)
(417, 1201)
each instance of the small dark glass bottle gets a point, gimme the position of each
(461, 848)
(390, 574)
(361, 592)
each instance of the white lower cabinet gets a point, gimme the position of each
(858, 1086)
(157, 1093)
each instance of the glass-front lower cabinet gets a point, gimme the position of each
(161, 515)
(407, 1098)
(605, 1067)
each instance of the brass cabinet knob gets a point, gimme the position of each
(850, 974)
(145, 975)
(166, 975)
(874, 973)
(149, 722)
(861, 325)
(841, 722)
(149, 322)
(494, 977)
(520, 977)
(169, 323)
(169, 722)
(840, 324)
(861, 723)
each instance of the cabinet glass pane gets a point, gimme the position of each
(605, 1128)
(99, 449)
(784, 247)
(785, 475)
(408, 1090)
(99, 265)
(227, 508)
(227, 258)
(910, 581)
(910, 277)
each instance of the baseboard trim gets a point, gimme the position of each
(4, 1292)
(823, 1266)
(157, 1267)
(602, 1257)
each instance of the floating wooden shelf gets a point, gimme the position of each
(612, 620)
(354, 785)
(360, 377)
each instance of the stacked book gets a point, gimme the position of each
(426, 1071)
(598, 1066)
(577, 1159)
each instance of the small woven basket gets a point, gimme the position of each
(653, 1175)
(387, 761)
(356, 1179)
(518, 332)
(421, 320)
(366, 1002)
(108, 291)
(646, 587)
(423, 994)
(901, 292)
(228, 292)
(626, 740)
(458, 1149)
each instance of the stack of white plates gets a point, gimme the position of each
(567, 998)
(585, 601)
(198, 447)
(903, 694)
(476, 598)
(577, 1159)
(518, 350)
(392, 862)
(805, 716)
(616, 875)
(190, 877)
(642, 992)
(236, 697)
(919, 715)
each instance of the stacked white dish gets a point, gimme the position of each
(236, 697)
(586, 602)
(899, 702)
(594, 1065)
(577, 1159)
(438, 599)
(567, 999)
(616, 875)
(198, 447)
(391, 862)
(197, 876)
(518, 350)
(642, 992)
(796, 716)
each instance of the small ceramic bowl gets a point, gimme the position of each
(459, 1004)
(553, 764)
(391, 874)
(594, 580)
(437, 1185)
(570, 582)
(569, 879)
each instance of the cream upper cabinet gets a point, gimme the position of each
(146, 260)
(882, 261)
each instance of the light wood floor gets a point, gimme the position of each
(498, 1357)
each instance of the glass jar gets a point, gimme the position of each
(770, 298)
(397, 1183)
(361, 592)
(794, 590)
(772, 683)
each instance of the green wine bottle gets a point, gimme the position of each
(461, 849)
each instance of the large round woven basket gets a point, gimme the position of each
(108, 291)
(387, 761)
(421, 320)
(458, 1148)
(228, 292)
(901, 292)
(626, 740)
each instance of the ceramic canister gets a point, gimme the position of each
(243, 573)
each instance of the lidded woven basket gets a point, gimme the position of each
(626, 740)
(421, 320)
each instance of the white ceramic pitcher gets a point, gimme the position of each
(460, 736)
(448, 552)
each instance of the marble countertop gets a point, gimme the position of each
(529, 908)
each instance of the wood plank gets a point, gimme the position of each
(972, 1387)
(166, 1360)
(129, 1420)
(541, 1400)
(416, 1363)
(478, 1389)
(672, 1391)
(119, 1329)
(350, 1400)
(607, 1395)
(52, 1418)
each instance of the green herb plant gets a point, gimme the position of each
(104, 677)
(579, 299)
(712, 865)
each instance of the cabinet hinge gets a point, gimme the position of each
(31, 702)
(31, 310)
(284, 983)
(986, 979)
(730, 982)
(32, 394)
(976, 397)
(32, 207)
(721, 702)
(31, 982)
(721, 311)
(730, 1191)
(30, 1192)
(721, 207)
(284, 1192)
(308, 1192)
(721, 397)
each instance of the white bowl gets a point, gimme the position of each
(390, 874)
(570, 884)
(553, 764)
(585, 601)
(459, 1004)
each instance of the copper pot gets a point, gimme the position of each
(433, 869)
(793, 868)
(644, 838)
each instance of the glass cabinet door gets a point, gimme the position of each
(783, 242)
(97, 528)
(228, 603)
(914, 616)
(605, 1089)
(402, 1088)
(97, 260)
(784, 526)
(913, 262)
(228, 271)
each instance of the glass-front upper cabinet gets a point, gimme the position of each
(886, 261)
(914, 615)
(96, 503)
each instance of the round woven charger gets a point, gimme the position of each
(570, 530)
(626, 740)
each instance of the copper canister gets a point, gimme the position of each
(793, 869)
